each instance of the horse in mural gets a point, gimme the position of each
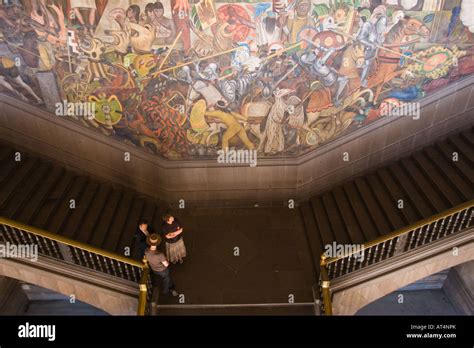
(320, 100)
(352, 60)
(387, 63)
(386, 66)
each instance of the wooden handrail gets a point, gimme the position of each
(68, 241)
(402, 231)
(143, 285)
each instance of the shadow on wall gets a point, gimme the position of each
(112, 302)
(450, 292)
(19, 298)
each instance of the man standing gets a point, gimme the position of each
(141, 235)
(159, 264)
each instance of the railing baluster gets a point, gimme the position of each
(435, 231)
(99, 263)
(462, 222)
(24, 238)
(333, 270)
(418, 236)
(106, 262)
(470, 217)
(48, 247)
(384, 251)
(442, 227)
(427, 234)
(39, 244)
(447, 231)
(79, 259)
(391, 245)
(13, 236)
(114, 268)
(458, 215)
(376, 253)
(367, 258)
(119, 265)
(84, 257)
(92, 260)
(414, 236)
(127, 271)
(2, 233)
(348, 263)
(56, 249)
(330, 268)
(356, 261)
(6, 234)
(133, 274)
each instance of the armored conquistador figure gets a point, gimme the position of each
(372, 35)
(325, 74)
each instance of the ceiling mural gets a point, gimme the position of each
(183, 79)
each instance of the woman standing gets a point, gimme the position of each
(172, 231)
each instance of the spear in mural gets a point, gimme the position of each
(158, 73)
(279, 52)
(378, 46)
(170, 50)
(286, 75)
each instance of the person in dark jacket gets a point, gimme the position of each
(141, 235)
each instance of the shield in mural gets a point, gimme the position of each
(108, 110)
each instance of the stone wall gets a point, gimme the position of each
(459, 286)
(111, 302)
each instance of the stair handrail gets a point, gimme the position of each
(400, 234)
(83, 254)
(68, 241)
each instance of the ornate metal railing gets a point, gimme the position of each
(80, 254)
(408, 238)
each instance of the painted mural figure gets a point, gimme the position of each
(372, 35)
(9, 72)
(165, 29)
(270, 29)
(11, 21)
(88, 6)
(133, 14)
(273, 139)
(327, 75)
(300, 20)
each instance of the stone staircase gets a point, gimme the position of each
(40, 193)
(367, 207)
